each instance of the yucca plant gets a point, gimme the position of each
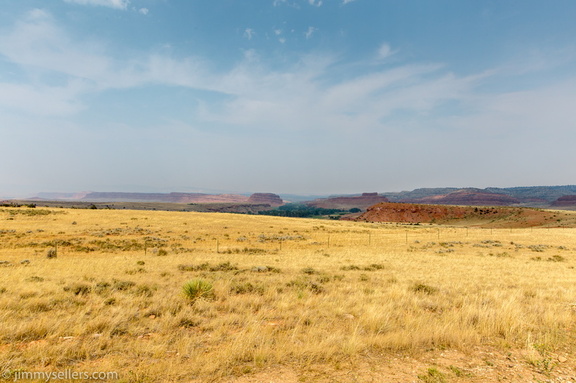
(195, 289)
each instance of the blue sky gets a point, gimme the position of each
(285, 96)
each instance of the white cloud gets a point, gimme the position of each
(118, 4)
(347, 1)
(39, 44)
(144, 11)
(249, 33)
(310, 32)
(316, 3)
(278, 3)
(385, 51)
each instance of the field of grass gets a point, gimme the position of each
(272, 299)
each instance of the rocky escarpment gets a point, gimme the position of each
(266, 198)
(362, 202)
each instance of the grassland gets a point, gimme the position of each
(291, 300)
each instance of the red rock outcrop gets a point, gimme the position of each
(565, 201)
(465, 215)
(346, 203)
(411, 213)
(266, 198)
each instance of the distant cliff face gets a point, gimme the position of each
(266, 198)
(362, 202)
(567, 200)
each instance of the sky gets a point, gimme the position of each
(285, 96)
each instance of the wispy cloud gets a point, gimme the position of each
(46, 52)
(249, 33)
(258, 96)
(385, 51)
(316, 3)
(118, 4)
(347, 1)
(310, 32)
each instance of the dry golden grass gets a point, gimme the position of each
(287, 294)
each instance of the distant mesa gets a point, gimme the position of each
(164, 197)
(257, 198)
(468, 197)
(362, 202)
(266, 198)
(565, 201)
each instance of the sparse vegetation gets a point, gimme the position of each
(335, 293)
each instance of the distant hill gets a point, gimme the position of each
(537, 196)
(542, 193)
(474, 197)
(361, 202)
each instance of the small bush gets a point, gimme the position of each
(198, 288)
(78, 289)
(110, 301)
(201, 267)
(422, 288)
(123, 285)
(188, 323)
(101, 287)
(35, 279)
(224, 266)
(374, 267)
(303, 284)
(351, 267)
(51, 253)
(246, 288)
(136, 271)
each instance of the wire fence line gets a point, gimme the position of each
(394, 237)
